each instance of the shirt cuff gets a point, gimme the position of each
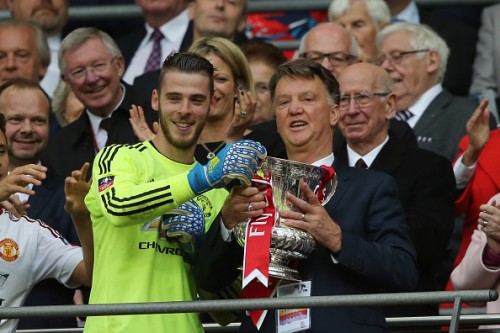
(225, 233)
(463, 173)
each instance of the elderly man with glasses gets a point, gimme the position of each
(330, 45)
(92, 66)
(426, 185)
(415, 57)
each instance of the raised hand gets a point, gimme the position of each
(244, 110)
(76, 188)
(140, 126)
(478, 129)
(18, 178)
(238, 160)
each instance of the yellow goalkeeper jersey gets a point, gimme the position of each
(133, 186)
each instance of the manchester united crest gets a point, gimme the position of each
(9, 250)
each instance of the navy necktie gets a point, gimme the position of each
(403, 115)
(154, 60)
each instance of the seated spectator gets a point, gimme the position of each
(480, 267)
(363, 18)
(263, 59)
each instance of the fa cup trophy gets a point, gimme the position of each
(286, 243)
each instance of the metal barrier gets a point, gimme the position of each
(400, 299)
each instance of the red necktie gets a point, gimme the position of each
(154, 60)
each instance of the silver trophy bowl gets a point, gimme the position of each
(288, 244)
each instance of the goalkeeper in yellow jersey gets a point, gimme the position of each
(150, 203)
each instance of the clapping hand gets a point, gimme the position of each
(489, 219)
(16, 182)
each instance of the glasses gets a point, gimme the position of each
(97, 68)
(362, 99)
(335, 58)
(396, 57)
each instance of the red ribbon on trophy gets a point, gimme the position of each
(325, 179)
(256, 280)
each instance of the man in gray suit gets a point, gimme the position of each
(486, 71)
(415, 57)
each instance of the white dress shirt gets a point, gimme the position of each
(422, 103)
(100, 134)
(353, 157)
(173, 32)
(53, 75)
(409, 14)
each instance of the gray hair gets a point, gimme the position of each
(421, 37)
(377, 9)
(79, 36)
(354, 43)
(42, 46)
(306, 69)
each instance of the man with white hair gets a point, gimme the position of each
(363, 19)
(415, 57)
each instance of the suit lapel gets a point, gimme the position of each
(389, 157)
(342, 172)
(433, 111)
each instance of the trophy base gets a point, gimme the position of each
(283, 272)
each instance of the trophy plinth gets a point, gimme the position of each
(289, 244)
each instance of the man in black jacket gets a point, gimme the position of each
(92, 65)
(425, 179)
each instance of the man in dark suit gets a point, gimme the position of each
(415, 58)
(460, 38)
(425, 180)
(26, 108)
(363, 241)
(163, 32)
(207, 18)
(92, 65)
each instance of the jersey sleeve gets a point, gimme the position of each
(119, 191)
(55, 258)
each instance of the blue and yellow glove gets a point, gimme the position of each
(238, 160)
(187, 224)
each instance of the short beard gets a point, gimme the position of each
(184, 145)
